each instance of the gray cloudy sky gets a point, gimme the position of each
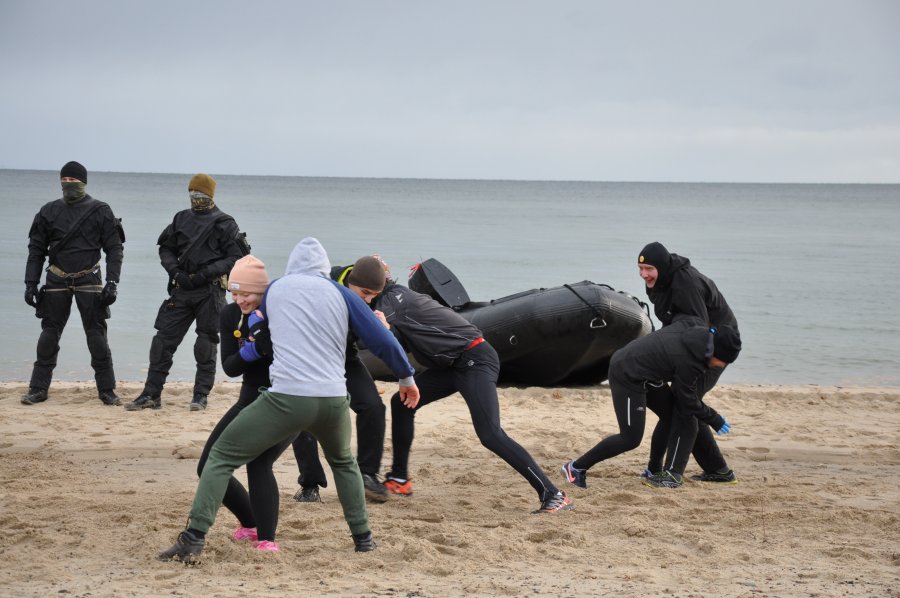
(777, 91)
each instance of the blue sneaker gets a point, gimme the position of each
(573, 475)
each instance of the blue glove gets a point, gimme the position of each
(725, 429)
(254, 318)
(259, 334)
(248, 351)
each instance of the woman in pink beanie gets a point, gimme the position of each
(246, 351)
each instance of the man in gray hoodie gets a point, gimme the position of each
(309, 318)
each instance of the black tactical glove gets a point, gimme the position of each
(31, 294)
(184, 280)
(110, 292)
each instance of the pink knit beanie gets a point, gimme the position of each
(248, 276)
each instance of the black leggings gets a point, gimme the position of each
(474, 376)
(631, 413)
(705, 450)
(369, 409)
(259, 508)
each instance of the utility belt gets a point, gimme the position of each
(57, 271)
(220, 281)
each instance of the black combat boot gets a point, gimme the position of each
(364, 542)
(199, 402)
(35, 395)
(145, 401)
(109, 397)
(187, 549)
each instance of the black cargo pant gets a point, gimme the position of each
(705, 451)
(369, 409)
(54, 309)
(176, 314)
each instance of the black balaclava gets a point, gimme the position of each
(73, 192)
(655, 254)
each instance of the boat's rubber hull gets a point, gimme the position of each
(550, 337)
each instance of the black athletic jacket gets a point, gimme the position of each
(255, 373)
(435, 335)
(677, 353)
(683, 290)
(81, 252)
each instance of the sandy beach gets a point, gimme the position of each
(91, 493)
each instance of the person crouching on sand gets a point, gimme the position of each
(678, 353)
(676, 288)
(458, 360)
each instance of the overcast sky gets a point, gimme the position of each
(769, 91)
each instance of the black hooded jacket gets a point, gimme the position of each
(435, 335)
(678, 353)
(682, 290)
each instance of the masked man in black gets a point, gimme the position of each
(197, 251)
(71, 232)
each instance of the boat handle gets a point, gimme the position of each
(594, 323)
(513, 340)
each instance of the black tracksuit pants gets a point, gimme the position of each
(705, 449)
(474, 376)
(369, 409)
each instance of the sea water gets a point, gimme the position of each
(811, 271)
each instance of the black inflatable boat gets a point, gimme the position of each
(544, 337)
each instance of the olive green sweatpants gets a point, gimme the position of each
(271, 418)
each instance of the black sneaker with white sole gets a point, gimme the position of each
(721, 478)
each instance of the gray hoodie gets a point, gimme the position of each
(309, 318)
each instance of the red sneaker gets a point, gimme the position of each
(396, 486)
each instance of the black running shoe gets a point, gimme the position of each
(34, 396)
(187, 549)
(664, 479)
(555, 503)
(721, 478)
(375, 490)
(573, 475)
(364, 542)
(199, 402)
(109, 397)
(308, 494)
(144, 401)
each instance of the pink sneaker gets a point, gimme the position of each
(244, 533)
(267, 546)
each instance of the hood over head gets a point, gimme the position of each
(655, 254)
(308, 257)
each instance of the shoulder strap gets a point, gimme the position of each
(54, 251)
(198, 240)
